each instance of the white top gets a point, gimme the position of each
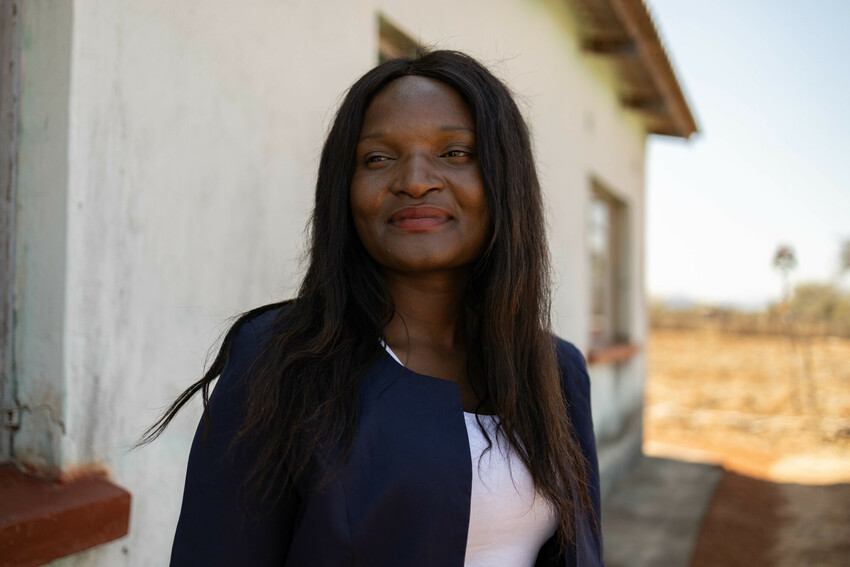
(508, 520)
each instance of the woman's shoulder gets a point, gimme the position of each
(255, 327)
(575, 384)
(574, 376)
(246, 340)
(567, 350)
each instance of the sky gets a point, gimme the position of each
(769, 87)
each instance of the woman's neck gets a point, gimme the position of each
(427, 331)
(429, 309)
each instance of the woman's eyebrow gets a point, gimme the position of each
(374, 135)
(457, 129)
(371, 136)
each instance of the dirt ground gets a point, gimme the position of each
(760, 405)
(776, 414)
(757, 523)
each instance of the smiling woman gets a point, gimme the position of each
(417, 198)
(410, 406)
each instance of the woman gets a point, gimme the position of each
(410, 406)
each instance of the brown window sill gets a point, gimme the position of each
(41, 521)
(612, 354)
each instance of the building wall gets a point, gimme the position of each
(182, 171)
(41, 236)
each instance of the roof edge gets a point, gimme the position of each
(624, 31)
(637, 20)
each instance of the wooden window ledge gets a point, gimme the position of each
(612, 354)
(41, 521)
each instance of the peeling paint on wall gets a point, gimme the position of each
(38, 444)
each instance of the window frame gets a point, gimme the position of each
(609, 340)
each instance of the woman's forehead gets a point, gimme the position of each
(415, 97)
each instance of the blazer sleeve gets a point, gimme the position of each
(577, 394)
(218, 524)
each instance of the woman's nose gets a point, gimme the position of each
(418, 174)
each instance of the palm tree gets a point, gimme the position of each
(785, 260)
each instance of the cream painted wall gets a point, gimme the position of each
(41, 251)
(193, 134)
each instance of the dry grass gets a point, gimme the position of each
(763, 405)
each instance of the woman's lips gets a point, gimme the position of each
(420, 217)
(419, 224)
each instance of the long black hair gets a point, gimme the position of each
(304, 386)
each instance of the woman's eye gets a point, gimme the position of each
(458, 153)
(375, 159)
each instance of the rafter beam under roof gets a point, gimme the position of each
(624, 31)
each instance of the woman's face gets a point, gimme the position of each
(417, 197)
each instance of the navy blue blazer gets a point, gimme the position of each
(401, 499)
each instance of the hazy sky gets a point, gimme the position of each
(769, 84)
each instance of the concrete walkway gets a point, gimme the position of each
(652, 517)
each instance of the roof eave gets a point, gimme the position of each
(623, 30)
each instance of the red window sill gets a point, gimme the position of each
(612, 354)
(41, 521)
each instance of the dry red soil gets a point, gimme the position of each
(775, 412)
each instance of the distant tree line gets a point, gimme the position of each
(815, 310)
(818, 302)
(807, 309)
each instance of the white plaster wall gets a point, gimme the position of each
(194, 133)
(617, 396)
(194, 136)
(40, 275)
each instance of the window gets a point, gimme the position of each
(392, 42)
(607, 230)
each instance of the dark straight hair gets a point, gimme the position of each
(304, 386)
